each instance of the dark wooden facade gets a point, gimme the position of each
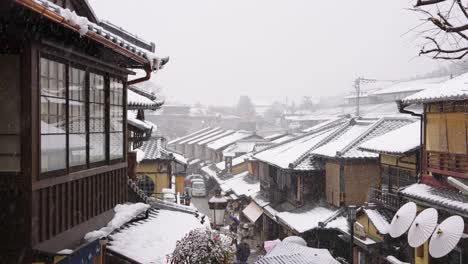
(38, 207)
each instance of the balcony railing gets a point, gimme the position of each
(449, 164)
(387, 199)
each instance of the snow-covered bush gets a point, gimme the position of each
(204, 246)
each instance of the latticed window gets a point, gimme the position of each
(116, 118)
(79, 127)
(53, 116)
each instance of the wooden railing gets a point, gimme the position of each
(388, 200)
(449, 164)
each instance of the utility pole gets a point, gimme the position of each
(357, 86)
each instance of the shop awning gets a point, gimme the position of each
(252, 212)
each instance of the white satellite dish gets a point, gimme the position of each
(402, 220)
(422, 227)
(446, 236)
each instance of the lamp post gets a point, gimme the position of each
(218, 204)
(351, 219)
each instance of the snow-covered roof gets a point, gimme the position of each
(153, 149)
(243, 146)
(202, 134)
(177, 140)
(346, 143)
(334, 120)
(283, 139)
(379, 219)
(152, 239)
(282, 155)
(274, 136)
(139, 99)
(241, 184)
(313, 255)
(95, 32)
(228, 140)
(123, 214)
(205, 136)
(215, 137)
(141, 124)
(437, 197)
(398, 141)
(411, 86)
(307, 218)
(235, 161)
(453, 89)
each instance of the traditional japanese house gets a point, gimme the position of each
(63, 132)
(444, 157)
(190, 146)
(158, 167)
(139, 129)
(350, 171)
(201, 152)
(174, 143)
(184, 147)
(292, 185)
(215, 149)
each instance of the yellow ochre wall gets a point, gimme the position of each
(369, 227)
(161, 179)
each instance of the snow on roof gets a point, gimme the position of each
(283, 139)
(281, 259)
(313, 255)
(453, 89)
(350, 134)
(325, 123)
(235, 161)
(228, 140)
(290, 151)
(215, 137)
(346, 144)
(241, 184)
(259, 199)
(141, 124)
(153, 149)
(445, 198)
(86, 28)
(210, 171)
(411, 86)
(187, 136)
(139, 99)
(202, 134)
(398, 141)
(243, 146)
(206, 136)
(123, 214)
(305, 218)
(274, 136)
(149, 241)
(380, 221)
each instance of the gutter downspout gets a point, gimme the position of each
(401, 109)
(142, 79)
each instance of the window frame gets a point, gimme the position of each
(107, 76)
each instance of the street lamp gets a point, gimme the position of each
(218, 204)
(352, 209)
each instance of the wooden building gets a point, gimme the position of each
(63, 131)
(139, 129)
(350, 171)
(158, 167)
(444, 155)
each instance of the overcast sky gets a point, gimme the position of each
(271, 49)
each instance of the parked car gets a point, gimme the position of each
(198, 188)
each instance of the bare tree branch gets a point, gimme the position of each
(427, 2)
(462, 8)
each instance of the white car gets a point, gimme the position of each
(198, 188)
